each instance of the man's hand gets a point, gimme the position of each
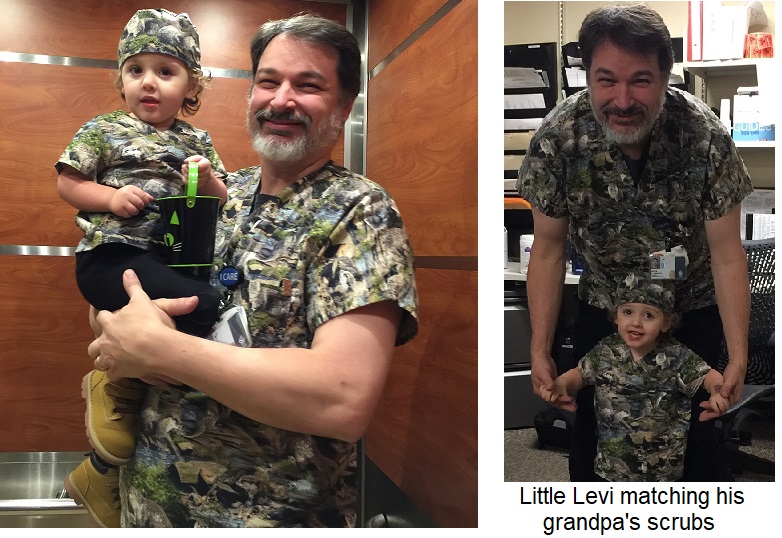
(732, 383)
(556, 394)
(543, 374)
(126, 336)
(715, 406)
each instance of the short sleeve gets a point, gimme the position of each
(542, 176)
(86, 152)
(692, 371)
(589, 364)
(214, 159)
(728, 181)
(367, 259)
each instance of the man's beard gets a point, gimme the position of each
(638, 133)
(275, 147)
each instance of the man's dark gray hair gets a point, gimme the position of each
(635, 28)
(321, 31)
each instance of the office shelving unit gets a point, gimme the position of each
(528, 98)
(731, 74)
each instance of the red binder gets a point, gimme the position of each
(695, 31)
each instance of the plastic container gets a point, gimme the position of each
(525, 247)
(506, 247)
(189, 223)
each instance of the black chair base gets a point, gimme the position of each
(740, 462)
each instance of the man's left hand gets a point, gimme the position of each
(732, 382)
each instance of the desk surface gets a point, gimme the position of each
(512, 273)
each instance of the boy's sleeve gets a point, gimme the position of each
(217, 163)
(86, 152)
(692, 371)
(588, 365)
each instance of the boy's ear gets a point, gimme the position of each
(192, 88)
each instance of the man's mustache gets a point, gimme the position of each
(267, 115)
(616, 111)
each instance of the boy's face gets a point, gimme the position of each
(155, 86)
(640, 324)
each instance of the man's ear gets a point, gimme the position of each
(348, 107)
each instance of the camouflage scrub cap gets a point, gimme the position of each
(637, 288)
(163, 32)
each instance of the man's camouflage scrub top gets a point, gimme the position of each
(643, 408)
(332, 242)
(117, 149)
(693, 174)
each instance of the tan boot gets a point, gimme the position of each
(112, 407)
(98, 493)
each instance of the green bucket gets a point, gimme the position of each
(189, 225)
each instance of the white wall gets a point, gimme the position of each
(534, 22)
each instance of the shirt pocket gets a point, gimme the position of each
(274, 288)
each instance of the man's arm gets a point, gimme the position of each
(545, 280)
(731, 282)
(329, 390)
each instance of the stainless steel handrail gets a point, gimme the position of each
(18, 507)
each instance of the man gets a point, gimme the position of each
(624, 169)
(265, 436)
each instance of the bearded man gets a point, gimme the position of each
(317, 259)
(627, 170)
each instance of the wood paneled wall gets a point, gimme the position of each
(422, 145)
(45, 333)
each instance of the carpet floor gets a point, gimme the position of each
(525, 461)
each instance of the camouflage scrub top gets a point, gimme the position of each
(331, 242)
(117, 149)
(693, 174)
(642, 408)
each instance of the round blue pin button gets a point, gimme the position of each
(230, 276)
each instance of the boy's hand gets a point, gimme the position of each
(205, 173)
(127, 201)
(715, 406)
(556, 394)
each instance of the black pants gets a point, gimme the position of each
(701, 331)
(99, 277)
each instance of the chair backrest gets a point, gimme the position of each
(761, 262)
(760, 266)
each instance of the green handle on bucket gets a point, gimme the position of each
(192, 183)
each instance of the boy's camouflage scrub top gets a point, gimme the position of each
(331, 242)
(117, 149)
(693, 174)
(643, 408)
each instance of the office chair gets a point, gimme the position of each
(758, 395)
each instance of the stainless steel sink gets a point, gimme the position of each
(32, 493)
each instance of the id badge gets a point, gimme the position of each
(232, 327)
(668, 265)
